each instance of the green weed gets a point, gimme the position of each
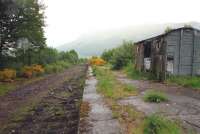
(156, 124)
(155, 96)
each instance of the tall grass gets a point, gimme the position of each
(186, 81)
(135, 74)
(110, 87)
(57, 67)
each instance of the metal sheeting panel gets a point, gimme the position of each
(173, 40)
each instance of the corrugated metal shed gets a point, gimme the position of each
(175, 52)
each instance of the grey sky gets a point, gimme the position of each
(69, 19)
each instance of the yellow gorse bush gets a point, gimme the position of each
(38, 68)
(7, 75)
(29, 71)
(97, 61)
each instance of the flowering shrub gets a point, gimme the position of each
(97, 61)
(7, 75)
(29, 71)
(38, 69)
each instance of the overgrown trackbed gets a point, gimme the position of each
(183, 104)
(47, 106)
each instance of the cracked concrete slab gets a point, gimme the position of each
(182, 106)
(99, 120)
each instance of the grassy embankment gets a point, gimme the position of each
(133, 121)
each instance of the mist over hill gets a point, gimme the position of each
(96, 43)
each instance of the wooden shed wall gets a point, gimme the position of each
(196, 58)
(158, 58)
(139, 57)
(184, 46)
(173, 41)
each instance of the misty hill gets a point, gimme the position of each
(96, 43)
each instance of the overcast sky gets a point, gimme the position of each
(69, 19)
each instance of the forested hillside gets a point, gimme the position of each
(87, 44)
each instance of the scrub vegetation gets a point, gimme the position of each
(135, 74)
(133, 121)
(120, 57)
(156, 124)
(155, 96)
(187, 81)
(110, 87)
(113, 90)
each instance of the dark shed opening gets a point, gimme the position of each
(147, 50)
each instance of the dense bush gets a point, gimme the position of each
(30, 71)
(120, 56)
(7, 75)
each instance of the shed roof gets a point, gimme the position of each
(164, 34)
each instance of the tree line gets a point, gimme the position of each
(22, 40)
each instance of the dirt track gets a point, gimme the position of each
(47, 106)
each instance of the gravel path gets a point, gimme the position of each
(99, 120)
(183, 104)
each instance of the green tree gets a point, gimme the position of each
(73, 56)
(8, 20)
(30, 26)
(120, 56)
(107, 55)
(21, 19)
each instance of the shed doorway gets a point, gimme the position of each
(147, 56)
